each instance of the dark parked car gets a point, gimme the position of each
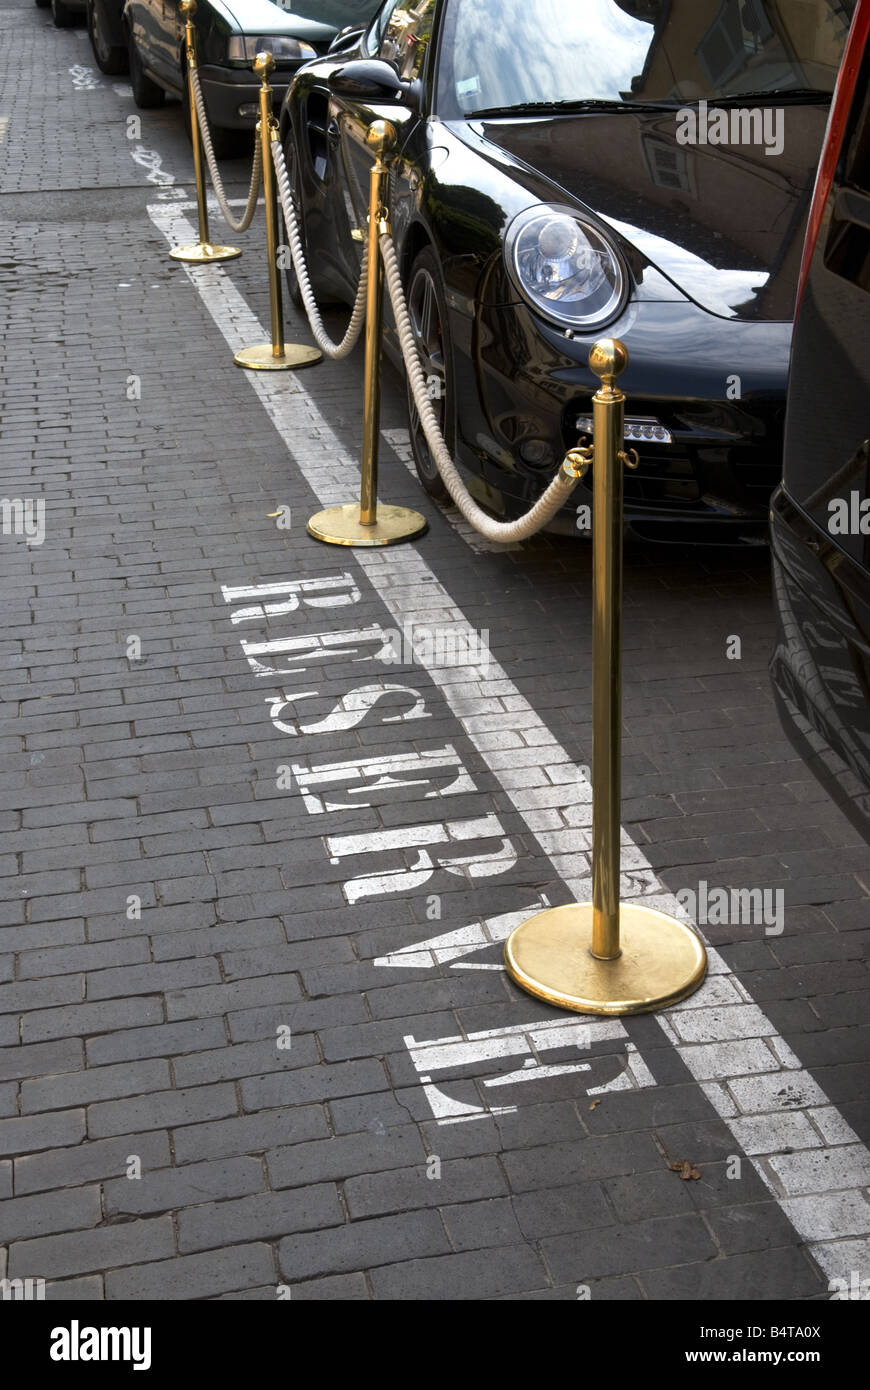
(150, 33)
(558, 176)
(820, 520)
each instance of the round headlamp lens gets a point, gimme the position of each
(566, 268)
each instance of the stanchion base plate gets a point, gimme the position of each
(342, 526)
(262, 359)
(204, 253)
(663, 960)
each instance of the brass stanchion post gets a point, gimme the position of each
(276, 356)
(606, 957)
(367, 522)
(204, 251)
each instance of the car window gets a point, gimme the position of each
(406, 35)
(341, 14)
(375, 35)
(501, 54)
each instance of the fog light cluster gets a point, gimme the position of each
(638, 429)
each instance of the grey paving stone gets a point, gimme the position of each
(264, 1216)
(170, 1189)
(25, 1217)
(246, 1059)
(672, 1240)
(160, 1040)
(342, 1157)
(23, 995)
(340, 1288)
(482, 1225)
(466, 1275)
(557, 1164)
(85, 1019)
(754, 1277)
(153, 978)
(160, 1110)
(362, 1245)
(26, 1134)
(643, 1196)
(51, 1058)
(97, 1083)
(226, 998)
(194, 1276)
(62, 960)
(94, 1159)
(407, 1189)
(322, 1082)
(554, 1212)
(86, 1290)
(756, 1225)
(80, 1252)
(250, 1133)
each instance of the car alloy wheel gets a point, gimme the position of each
(428, 315)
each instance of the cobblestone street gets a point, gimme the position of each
(256, 1037)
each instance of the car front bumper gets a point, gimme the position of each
(227, 90)
(716, 386)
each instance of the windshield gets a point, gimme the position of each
(339, 13)
(499, 54)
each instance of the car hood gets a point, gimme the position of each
(263, 17)
(724, 223)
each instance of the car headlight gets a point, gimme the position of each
(245, 50)
(565, 268)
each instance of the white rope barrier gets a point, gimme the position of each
(547, 505)
(235, 224)
(357, 318)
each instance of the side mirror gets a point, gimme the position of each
(371, 80)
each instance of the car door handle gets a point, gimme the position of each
(333, 132)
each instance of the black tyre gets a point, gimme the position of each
(146, 93)
(42, 4)
(428, 313)
(110, 58)
(291, 280)
(63, 16)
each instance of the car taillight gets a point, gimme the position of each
(840, 107)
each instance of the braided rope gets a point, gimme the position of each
(357, 318)
(233, 223)
(547, 505)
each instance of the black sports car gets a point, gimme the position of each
(565, 168)
(820, 519)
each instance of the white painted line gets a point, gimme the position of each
(741, 1074)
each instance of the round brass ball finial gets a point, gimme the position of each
(187, 9)
(263, 64)
(608, 359)
(380, 136)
